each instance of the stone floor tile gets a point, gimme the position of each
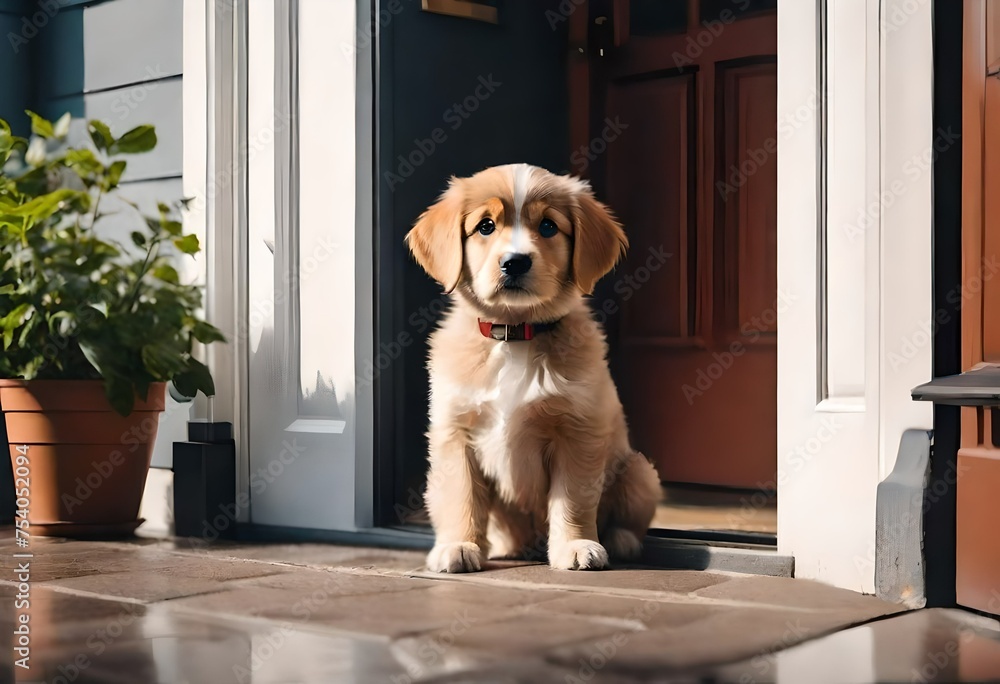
(340, 583)
(410, 612)
(638, 579)
(935, 645)
(797, 593)
(725, 634)
(308, 555)
(297, 596)
(625, 611)
(147, 584)
(167, 647)
(470, 645)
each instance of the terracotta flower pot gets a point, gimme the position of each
(86, 464)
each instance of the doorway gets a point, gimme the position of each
(669, 109)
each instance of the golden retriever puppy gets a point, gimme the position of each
(528, 440)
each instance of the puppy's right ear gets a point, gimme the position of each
(436, 238)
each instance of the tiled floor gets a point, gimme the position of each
(160, 611)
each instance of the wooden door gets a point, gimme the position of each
(681, 143)
(978, 467)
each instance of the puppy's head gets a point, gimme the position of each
(517, 238)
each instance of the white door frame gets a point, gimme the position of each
(232, 140)
(854, 254)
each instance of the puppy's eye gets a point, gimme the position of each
(547, 228)
(486, 226)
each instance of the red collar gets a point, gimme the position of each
(513, 333)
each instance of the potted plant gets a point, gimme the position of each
(92, 327)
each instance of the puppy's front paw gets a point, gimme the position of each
(579, 554)
(455, 557)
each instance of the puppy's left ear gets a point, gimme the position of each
(436, 238)
(598, 241)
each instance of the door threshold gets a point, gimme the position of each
(724, 537)
(698, 554)
(667, 549)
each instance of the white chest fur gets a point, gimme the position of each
(517, 377)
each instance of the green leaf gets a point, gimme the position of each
(138, 239)
(100, 134)
(139, 139)
(62, 322)
(7, 289)
(16, 317)
(188, 244)
(12, 321)
(173, 228)
(206, 333)
(196, 378)
(121, 393)
(91, 354)
(142, 388)
(166, 273)
(29, 326)
(84, 160)
(115, 172)
(43, 207)
(39, 125)
(161, 361)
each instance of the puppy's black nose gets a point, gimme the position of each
(514, 264)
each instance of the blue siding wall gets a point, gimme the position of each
(120, 61)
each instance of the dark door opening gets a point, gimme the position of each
(663, 130)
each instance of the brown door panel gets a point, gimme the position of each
(692, 172)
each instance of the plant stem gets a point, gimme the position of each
(97, 205)
(142, 274)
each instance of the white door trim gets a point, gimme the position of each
(214, 177)
(856, 263)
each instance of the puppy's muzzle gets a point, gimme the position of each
(513, 266)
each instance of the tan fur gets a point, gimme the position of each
(528, 441)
